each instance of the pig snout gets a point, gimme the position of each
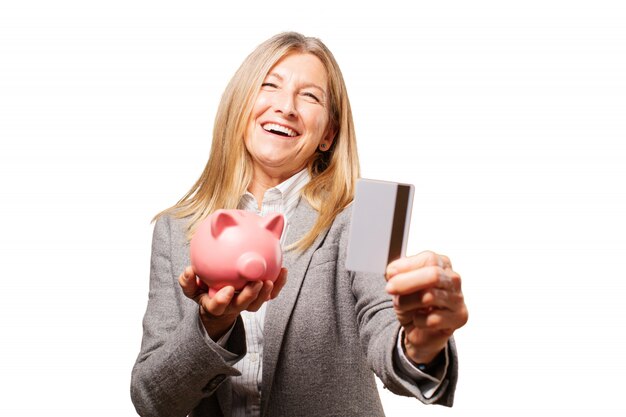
(251, 266)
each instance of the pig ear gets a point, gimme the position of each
(274, 222)
(220, 221)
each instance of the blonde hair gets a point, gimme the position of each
(228, 172)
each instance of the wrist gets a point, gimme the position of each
(422, 358)
(432, 365)
(216, 327)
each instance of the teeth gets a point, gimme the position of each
(278, 128)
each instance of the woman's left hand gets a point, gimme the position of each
(428, 302)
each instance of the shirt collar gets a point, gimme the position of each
(280, 199)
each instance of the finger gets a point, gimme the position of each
(430, 298)
(441, 320)
(187, 282)
(202, 285)
(409, 263)
(407, 319)
(446, 261)
(456, 280)
(279, 283)
(217, 305)
(247, 295)
(264, 295)
(419, 279)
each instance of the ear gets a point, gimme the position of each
(274, 222)
(328, 140)
(220, 220)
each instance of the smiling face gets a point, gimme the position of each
(289, 120)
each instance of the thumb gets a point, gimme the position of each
(279, 283)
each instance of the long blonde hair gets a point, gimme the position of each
(228, 172)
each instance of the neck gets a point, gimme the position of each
(258, 189)
(263, 181)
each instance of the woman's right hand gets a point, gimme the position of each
(219, 312)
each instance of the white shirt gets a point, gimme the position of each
(247, 387)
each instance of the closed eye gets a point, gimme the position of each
(313, 96)
(270, 85)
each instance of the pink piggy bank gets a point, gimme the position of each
(233, 247)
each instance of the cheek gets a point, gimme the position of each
(317, 122)
(261, 104)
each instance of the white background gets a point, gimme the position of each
(509, 117)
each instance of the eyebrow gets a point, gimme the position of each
(307, 85)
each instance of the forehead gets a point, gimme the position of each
(302, 67)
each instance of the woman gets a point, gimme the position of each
(305, 345)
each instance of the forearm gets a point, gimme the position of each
(436, 381)
(214, 328)
(173, 378)
(379, 329)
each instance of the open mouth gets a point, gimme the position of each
(280, 130)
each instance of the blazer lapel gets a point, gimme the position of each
(279, 309)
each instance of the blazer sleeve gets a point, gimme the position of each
(177, 366)
(379, 329)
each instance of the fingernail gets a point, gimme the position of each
(391, 271)
(389, 288)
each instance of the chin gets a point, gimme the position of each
(273, 163)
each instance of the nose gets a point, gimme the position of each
(286, 104)
(251, 266)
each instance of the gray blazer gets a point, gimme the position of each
(323, 335)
